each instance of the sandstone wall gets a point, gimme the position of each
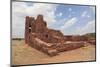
(49, 41)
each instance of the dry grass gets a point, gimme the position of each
(23, 54)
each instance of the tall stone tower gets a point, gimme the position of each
(28, 24)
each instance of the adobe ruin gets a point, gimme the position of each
(49, 41)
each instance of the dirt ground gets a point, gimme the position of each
(22, 54)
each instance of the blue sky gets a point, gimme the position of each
(69, 19)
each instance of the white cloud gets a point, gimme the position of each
(20, 10)
(83, 14)
(93, 8)
(88, 16)
(69, 23)
(70, 9)
(60, 14)
(88, 28)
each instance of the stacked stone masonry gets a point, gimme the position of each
(49, 41)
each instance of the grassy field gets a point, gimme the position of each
(22, 54)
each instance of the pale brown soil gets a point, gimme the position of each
(22, 54)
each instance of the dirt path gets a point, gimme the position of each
(23, 54)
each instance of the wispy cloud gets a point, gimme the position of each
(21, 9)
(70, 9)
(90, 27)
(56, 16)
(69, 23)
(93, 8)
(60, 14)
(84, 14)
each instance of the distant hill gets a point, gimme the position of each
(92, 35)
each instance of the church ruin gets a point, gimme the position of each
(49, 41)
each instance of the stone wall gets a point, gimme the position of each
(49, 41)
(75, 38)
(39, 27)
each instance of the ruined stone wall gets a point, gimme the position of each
(39, 27)
(28, 29)
(50, 41)
(76, 38)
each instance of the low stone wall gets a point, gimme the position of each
(43, 46)
(76, 38)
(53, 49)
(93, 42)
(68, 46)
